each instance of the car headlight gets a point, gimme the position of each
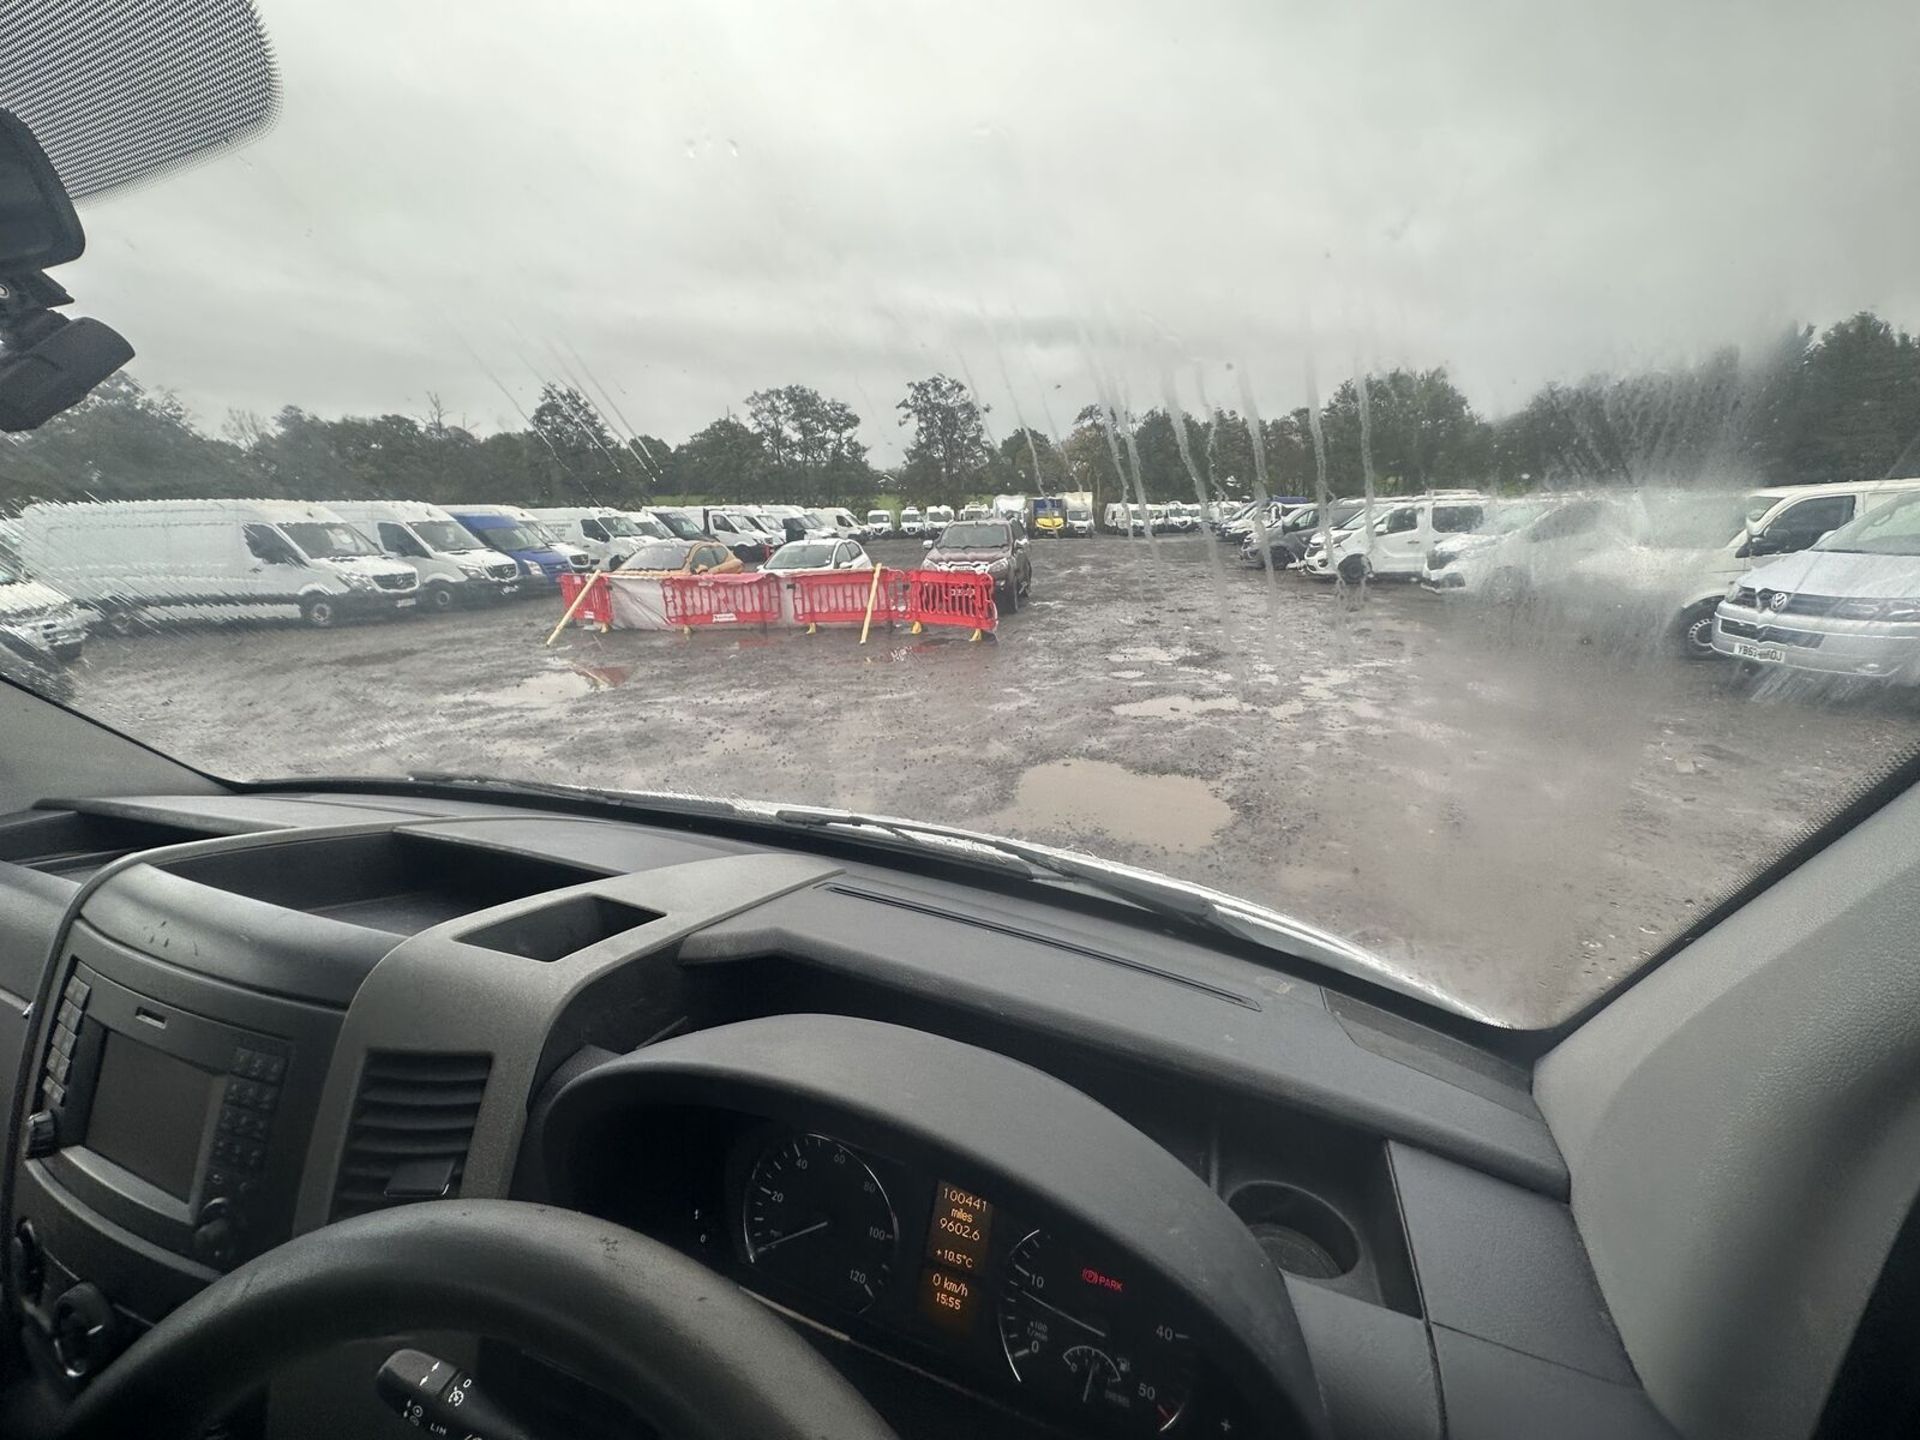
(998, 567)
(471, 568)
(1903, 610)
(356, 581)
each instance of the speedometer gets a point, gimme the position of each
(816, 1217)
(1079, 1333)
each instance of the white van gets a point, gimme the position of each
(911, 523)
(129, 557)
(453, 566)
(1675, 578)
(879, 522)
(939, 517)
(837, 522)
(606, 534)
(40, 614)
(1404, 530)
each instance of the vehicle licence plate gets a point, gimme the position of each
(401, 604)
(1770, 654)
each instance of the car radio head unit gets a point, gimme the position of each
(158, 1118)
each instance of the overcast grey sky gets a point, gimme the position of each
(702, 199)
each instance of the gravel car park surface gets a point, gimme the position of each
(1541, 813)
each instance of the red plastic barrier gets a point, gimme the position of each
(597, 608)
(691, 600)
(841, 598)
(952, 597)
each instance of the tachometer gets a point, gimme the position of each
(817, 1217)
(1080, 1334)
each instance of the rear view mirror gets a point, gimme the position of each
(47, 363)
(38, 226)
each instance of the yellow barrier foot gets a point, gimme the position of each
(916, 628)
(812, 629)
(975, 636)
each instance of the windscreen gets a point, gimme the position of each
(801, 554)
(663, 555)
(974, 536)
(1457, 264)
(328, 541)
(444, 535)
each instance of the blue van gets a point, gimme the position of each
(512, 531)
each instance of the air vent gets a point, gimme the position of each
(412, 1123)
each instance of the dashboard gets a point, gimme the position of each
(1013, 1167)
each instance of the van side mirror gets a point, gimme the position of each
(926, 544)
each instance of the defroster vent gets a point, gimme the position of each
(412, 1123)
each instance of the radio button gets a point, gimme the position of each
(58, 1066)
(69, 1015)
(43, 1134)
(78, 990)
(63, 1040)
(55, 1092)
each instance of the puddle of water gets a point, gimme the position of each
(1169, 812)
(1167, 707)
(541, 689)
(1126, 674)
(556, 685)
(1137, 654)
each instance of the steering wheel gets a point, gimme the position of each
(694, 1354)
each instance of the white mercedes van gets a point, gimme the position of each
(453, 566)
(130, 559)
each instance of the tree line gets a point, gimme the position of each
(1843, 404)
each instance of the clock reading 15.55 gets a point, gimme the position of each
(962, 1224)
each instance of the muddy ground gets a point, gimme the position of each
(1513, 814)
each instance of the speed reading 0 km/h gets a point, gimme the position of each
(816, 1216)
(1079, 1334)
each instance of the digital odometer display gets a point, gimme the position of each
(962, 1226)
(957, 1238)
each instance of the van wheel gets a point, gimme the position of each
(439, 598)
(1010, 599)
(1694, 634)
(1353, 569)
(320, 613)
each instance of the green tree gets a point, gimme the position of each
(725, 461)
(123, 442)
(812, 447)
(949, 457)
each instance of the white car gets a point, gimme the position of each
(1848, 606)
(815, 555)
(1517, 541)
(1396, 546)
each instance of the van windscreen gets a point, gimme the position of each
(327, 540)
(444, 535)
